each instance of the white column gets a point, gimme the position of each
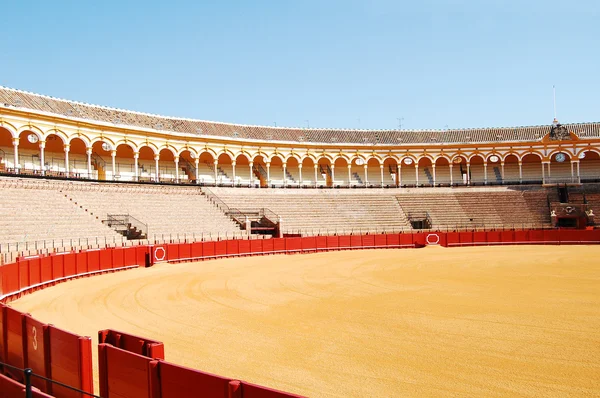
(233, 168)
(578, 176)
(485, 178)
(136, 156)
(316, 167)
(16, 152)
(88, 152)
(284, 174)
(251, 165)
(42, 159)
(417, 174)
(366, 176)
(549, 175)
(157, 175)
(216, 166)
(451, 177)
(381, 172)
(399, 178)
(572, 172)
(113, 155)
(543, 173)
(433, 168)
(197, 163)
(176, 168)
(468, 173)
(300, 172)
(502, 166)
(268, 174)
(349, 174)
(332, 175)
(67, 149)
(520, 171)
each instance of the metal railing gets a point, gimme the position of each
(126, 221)
(28, 386)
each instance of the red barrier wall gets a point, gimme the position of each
(480, 238)
(10, 278)
(380, 241)
(244, 247)
(345, 242)
(507, 237)
(70, 362)
(81, 262)
(23, 273)
(466, 238)
(420, 238)
(392, 240)
(179, 381)
(293, 244)
(185, 251)
(321, 242)
(368, 241)
(355, 241)
(250, 390)
(93, 260)
(118, 257)
(332, 242)
(70, 264)
(36, 356)
(521, 237)
(406, 240)
(208, 249)
(125, 374)
(2, 332)
(196, 250)
(279, 244)
(536, 235)
(15, 354)
(268, 245)
(130, 258)
(135, 344)
(221, 248)
(35, 271)
(493, 237)
(256, 245)
(10, 388)
(58, 270)
(172, 251)
(309, 244)
(105, 259)
(233, 247)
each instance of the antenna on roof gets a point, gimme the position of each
(400, 119)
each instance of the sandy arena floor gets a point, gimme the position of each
(489, 321)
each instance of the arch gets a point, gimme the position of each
(225, 158)
(109, 141)
(6, 145)
(477, 155)
(31, 129)
(29, 152)
(325, 157)
(61, 134)
(530, 153)
(227, 152)
(341, 156)
(425, 161)
(10, 128)
(584, 150)
(560, 150)
(376, 157)
(589, 164)
(242, 155)
(276, 158)
(81, 137)
(164, 149)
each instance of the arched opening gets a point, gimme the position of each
(78, 164)
(101, 159)
(341, 175)
(357, 172)
(324, 172)
(242, 170)
(275, 171)
(494, 170)
(206, 169)
(477, 170)
(532, 169)
(124, 163)
(424, 174)
(560, 170)
(29, 153)
(407, 177)
(260, 171)
(442, 172)
(293, 171)
(307, 172)
(510, 171)
(7, 158)
(187, 165)
(54, 155)
(459, 170)
(166, 166)
(390, 172)
(374, 172)
(224, 170)
(589, 166)
(147, 164)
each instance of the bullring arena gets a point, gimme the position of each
(274, 262)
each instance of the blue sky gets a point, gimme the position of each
(346, 64)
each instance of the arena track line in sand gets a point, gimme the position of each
(476, 321)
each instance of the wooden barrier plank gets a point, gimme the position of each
(36, 354)
(185, 250)
(140, 255)
(244, 246)
(118, 257)
(93, 260)
(250, 390)
(81, 262)
(70, 264)
(493, 238)
(256, 245)
(380, 240)
(130, 257)
(278, 245)
(125, 374)
(35, 271)
(196, 249)
(10, 278)
(2, 332)
(406, 240)
(233, 247)
(333, 243)
(293, 245)
(356, 241)
(368, 241)
(172, 251)
(221, 248)
(308, 244)
(507, 237)
(58, 270)
(138, 345)
(345, 242)
(208, 249)
(392, 240)
(105, 259)
(23, 273)
(480, 238)
(178, 381)
(321, 243)
(15, 340)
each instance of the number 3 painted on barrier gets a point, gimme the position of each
(35, 343)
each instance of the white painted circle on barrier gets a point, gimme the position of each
(430, 239)
(156, 251)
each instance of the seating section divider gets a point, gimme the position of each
(135, 344)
